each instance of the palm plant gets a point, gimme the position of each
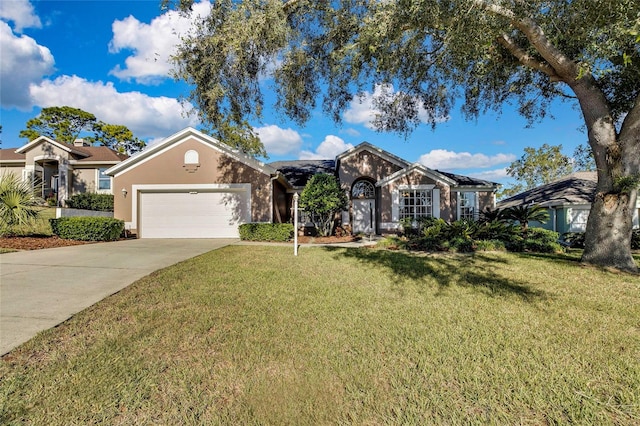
(18, 202)
(492, 215)
(525, 214)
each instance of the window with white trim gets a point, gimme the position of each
(104, 181)
(415, 203)
(191, 157)
(578, 219)
(467, 206)
(363, 189)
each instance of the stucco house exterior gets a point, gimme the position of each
(192, 185)
(568, 201)
(59, 170)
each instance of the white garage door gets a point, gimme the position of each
(192, 214)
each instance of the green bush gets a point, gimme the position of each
(86, 228)
(490, 245)
(461, 245)
(574, 239)
(542, 241)
(91, 201)
(266, 231)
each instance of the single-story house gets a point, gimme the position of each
(59, 170)
(567, 199)
(191, 185)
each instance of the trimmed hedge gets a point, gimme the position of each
(85, 228)
(91, 201)
(266, 232)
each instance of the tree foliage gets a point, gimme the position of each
(583, 160)
(424, 56)
(538, 167)
(323, 198)
(66, 124)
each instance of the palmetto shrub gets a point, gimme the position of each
(18, 203)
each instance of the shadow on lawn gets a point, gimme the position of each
(471, 271)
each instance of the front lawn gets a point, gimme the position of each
(252, 335)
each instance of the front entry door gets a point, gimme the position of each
(364, 216)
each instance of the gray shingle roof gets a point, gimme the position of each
(576, 188)
(466, 180)
(299, 172)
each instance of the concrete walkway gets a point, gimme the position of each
(40, 289)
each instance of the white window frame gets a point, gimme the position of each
(397, 200)
(104, 178)
(574, 213)
(468, 212)
(191, 157)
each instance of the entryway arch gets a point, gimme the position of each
(363, 205)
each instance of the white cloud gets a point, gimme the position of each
(363, 111)
(279, 141)
(152, 44)
(144, 115)
(492, 175)
(448, 160)
(328, 149)
(21, 13)
(23, 62)
(351, 132)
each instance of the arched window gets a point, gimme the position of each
(191, 157)
(363, 189)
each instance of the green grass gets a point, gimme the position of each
(252, 335)
(39, 227)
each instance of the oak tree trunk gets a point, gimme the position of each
(617, 157)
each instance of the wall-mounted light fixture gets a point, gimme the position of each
(124, 193)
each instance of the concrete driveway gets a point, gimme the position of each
(40, 289)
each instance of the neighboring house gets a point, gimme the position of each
(190, 185)
(567, 199)
(59, 170)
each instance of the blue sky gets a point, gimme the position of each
(110, 58)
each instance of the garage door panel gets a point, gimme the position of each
(192, 214)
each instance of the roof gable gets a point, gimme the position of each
(43, 139)
(366, 146)
(416, 167)
(175, 140)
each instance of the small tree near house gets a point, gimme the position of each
(323, 198)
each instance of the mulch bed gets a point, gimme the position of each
(327, 240)
(37, 242)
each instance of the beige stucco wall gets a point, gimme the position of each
(14, 170)
(364, 164)
(45, 149)
(83, 180)
(215, 168)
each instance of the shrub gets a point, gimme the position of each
(18, 203)
(323, 198)
(461, 245)
(266, 231)
(490, 245)
(91, 201)
(574, 239)
(542, 241)
(85, 228)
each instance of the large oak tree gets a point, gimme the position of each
(426, 55)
